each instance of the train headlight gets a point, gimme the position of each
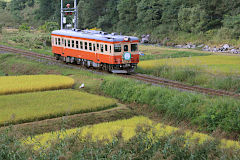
(127, 56)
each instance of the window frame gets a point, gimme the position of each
(81, 44)
(132, 47)
(77, 44)
(73, 43)
(106, 47)
(125, 49)
(59, 41)
(86, 46)
(69, 43)
(119, 46)
(101, 48)
(90, 46)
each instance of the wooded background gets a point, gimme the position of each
(159, 18)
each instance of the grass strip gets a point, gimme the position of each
(205, 112)
(31, 83)
(29, 107)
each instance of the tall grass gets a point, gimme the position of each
(42, 105)
(195, 75)
(208, 113)
(176, 54)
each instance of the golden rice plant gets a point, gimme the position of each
(108, 130)
(18, 108)
(213, 63)
(31, 83)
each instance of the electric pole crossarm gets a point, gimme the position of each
(70, 10)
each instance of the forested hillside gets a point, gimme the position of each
(192, 20)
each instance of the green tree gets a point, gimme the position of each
(149, 13)
(109, 21)
(192, 19)
(90, 11)
(233, 24)
(127, 16)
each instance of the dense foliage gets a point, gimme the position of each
(160, 18)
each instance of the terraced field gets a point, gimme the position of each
(127, 128)
(42, 105)
(212, 64)
(32, 83)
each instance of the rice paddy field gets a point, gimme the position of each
(128, 128)
(217, 64)
(35, 106)
(32, 83)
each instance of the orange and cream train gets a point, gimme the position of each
(90, 48)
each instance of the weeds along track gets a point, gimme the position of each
(40, 57)
(26, 53)
(141, 77)
(175, 84)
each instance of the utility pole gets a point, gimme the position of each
(70, 11)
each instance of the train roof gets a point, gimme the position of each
(96, 35)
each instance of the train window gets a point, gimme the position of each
(117, 48)
(85, 45)
(94, 47)
(73, 43)
(134, 47)
(101, 48)
(65, 42)
(106, 47)
(125, 47)
(59, 41)
(90, 46)
(77, 46)
(81, 45)
(69, 43)
(97, 46)
(56, 41)
(110, 49)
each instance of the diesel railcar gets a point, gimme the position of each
(112, 52)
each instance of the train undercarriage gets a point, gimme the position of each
(112, 68)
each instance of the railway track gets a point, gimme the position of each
(141, 77)
(175, 84)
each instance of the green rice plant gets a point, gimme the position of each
(28, 107)
(128, 129)
(31, 83)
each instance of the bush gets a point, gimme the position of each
(24, 27)
(1, 26)
(49, 26)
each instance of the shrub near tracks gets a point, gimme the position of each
(127, 129)
(208, 113)
(42, 105)
(31, 83)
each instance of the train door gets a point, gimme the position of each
(98, 53)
